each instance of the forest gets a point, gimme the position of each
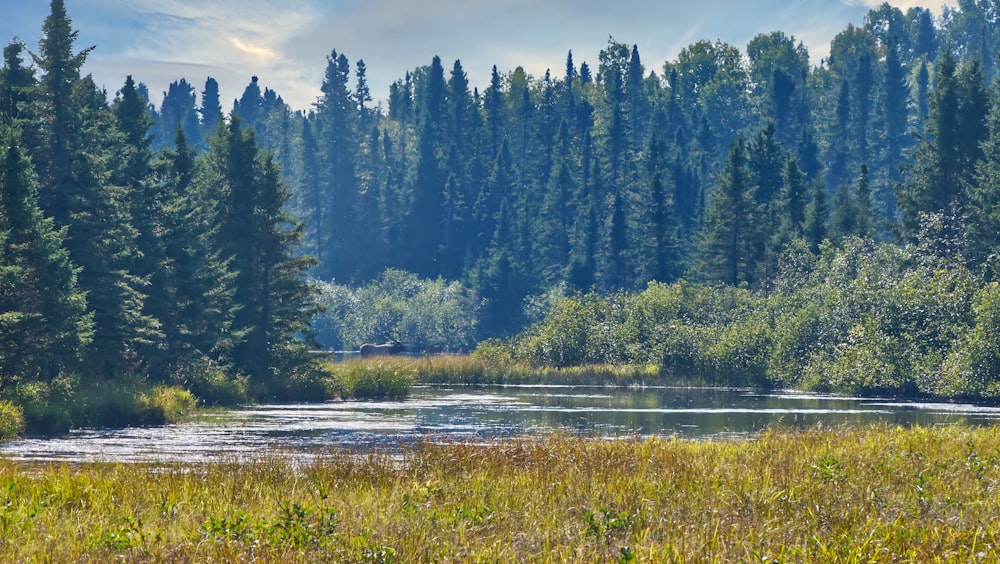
(737, 213)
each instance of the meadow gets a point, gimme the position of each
(849, 494)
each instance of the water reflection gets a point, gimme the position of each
(434, 413)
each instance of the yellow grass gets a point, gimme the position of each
(851, 495)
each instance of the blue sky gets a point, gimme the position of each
(286, 43)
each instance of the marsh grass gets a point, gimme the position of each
(479, 371)
(852, 494)
(373, 378)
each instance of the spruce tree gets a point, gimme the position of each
(728, 235)
(273, 300)
(198, 280)
(16, 83)
(44, 325)
(77, 143)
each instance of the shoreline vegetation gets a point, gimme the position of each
(878, 493)
(54, 409)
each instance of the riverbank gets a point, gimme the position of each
(853, 494)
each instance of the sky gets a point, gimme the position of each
(286, 44)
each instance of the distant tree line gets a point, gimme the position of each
(604, 178)
(158, 241)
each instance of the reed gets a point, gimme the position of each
(852, 494)
(378, 377)
(473, 370)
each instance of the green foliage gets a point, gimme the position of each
(11, 420)
(389, 379)
(867, 318)
(424, 315)
(212, 383)
(46, 405)
(165, 404)
(121, 265)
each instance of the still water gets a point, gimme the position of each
(483, 414)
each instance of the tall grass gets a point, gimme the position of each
(374, 378)
(854, 495)
(484, 371)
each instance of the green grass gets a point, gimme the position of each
(853, 495)
(372, 378)
(479, 371)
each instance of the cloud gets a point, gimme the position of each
(286, 43)
(905, 5)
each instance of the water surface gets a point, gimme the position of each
(486, 414)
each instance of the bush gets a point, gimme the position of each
(212, 383)
(11, 421)
(46, 405)
(426, 315)
(166, 405)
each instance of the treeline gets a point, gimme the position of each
(607, 177)
(172, 245)
(121, 263)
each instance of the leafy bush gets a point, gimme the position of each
(426, 315)
(862, 318)
(165, 404)
(11, 421)
(212, 383)
(46, 405)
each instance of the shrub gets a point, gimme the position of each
(212, 383)
(46, 405)
(11, 421)
(166, 405)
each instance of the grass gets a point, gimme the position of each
(477, 371)
(852, 494)
(373, 378)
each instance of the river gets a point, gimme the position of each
(485, 414)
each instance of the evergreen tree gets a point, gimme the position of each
(895, 104)
(274, 302)
(211, 109)
(133, 172)
(16, 83)
(44, 325)
(816, 216)
(945, 160)
(199, 283)
(422, 232)
(336, 115)
(178, 110)
(984, 195)
(77, 134)
(728, 235)
(618, 275)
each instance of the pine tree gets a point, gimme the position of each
(16, 82)
(178, 110)
(78, 135)
(336, 116)
(816, 216)
(44, 326)
(199, 283)
(945, 160)
(210, 111)
(728, 235)
(895, 104)
(618, 275)
(274, 302)
(423, 228)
